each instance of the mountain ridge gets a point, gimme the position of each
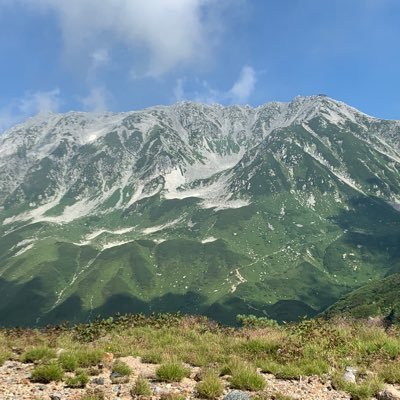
(211, 209)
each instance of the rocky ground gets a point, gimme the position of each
(15, 384)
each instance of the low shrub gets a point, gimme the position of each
(47, 373)
(69, 361)
(78, 381)
(171, 372)
(121, 368)
(141, 388)
(38, 354)
(247, 378)
(211, 387)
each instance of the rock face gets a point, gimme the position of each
(277, 210)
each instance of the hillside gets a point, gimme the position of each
(380, 298)
(171, 357)
(277, 210)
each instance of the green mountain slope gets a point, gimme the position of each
(278, 210)
(375, 299)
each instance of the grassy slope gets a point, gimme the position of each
(376, 298)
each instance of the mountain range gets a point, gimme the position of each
(277, 211)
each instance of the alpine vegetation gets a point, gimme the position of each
(276, 211)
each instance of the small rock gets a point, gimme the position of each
(389, 393)
(349, 375)
(98, 381)
(56, 396)
(237, 395)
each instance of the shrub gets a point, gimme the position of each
(390, 373)
(141, 388)
(69, 361)
(246, 378)
(121, 368)
(211, 387)
(251, 321)
(47, 373)
(78, 381)
(3, 356)
(171, 372)
(38, 354)
(88, 358)
(358, 391)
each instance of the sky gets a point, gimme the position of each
(121, 55)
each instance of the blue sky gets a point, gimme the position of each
(119, 55)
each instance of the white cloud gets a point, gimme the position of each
(96, 100)
(39, 102)
(99, 58)
(168, 32)
(244, 86)
(31, 103)
(239, 93)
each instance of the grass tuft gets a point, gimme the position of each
(47, 373)
(246, 378)
(141, 388)
(211, 386)
(171, 372)
(121, 368)
(69, 361)
(38, 354)
(78, 381)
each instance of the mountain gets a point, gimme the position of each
(277, 210)
(379, 298)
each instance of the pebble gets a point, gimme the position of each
(237, 395)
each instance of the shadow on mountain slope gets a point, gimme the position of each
(23, 304)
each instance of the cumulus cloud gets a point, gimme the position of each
(244, 86)
(31, 103)
(167, 32)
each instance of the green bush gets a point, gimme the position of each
(69, 361)
(171, 372)
(390, 373)
(89, 358)
(47, 373)
(211, 387)
(38, 354)
(78, 381)
(121, 368)
(141, 388)
(3, 356)
(251, 321)
(246, 378)
(358, 391)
